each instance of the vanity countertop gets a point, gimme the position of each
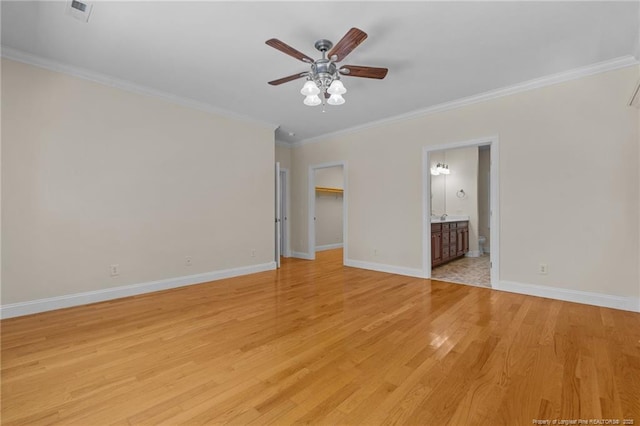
(437, 219)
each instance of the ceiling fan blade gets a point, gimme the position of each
(285, 48)
(350, 41)
(360, 71)
(288, 78)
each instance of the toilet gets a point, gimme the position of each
(481, 241)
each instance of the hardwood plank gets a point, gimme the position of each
(317, 342)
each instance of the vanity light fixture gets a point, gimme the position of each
(440, 169)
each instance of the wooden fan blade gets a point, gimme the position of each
(285, 48)
(287, 79)
(350, 41)
(360, 71)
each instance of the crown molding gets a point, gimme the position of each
(85, 74)
(600, 67)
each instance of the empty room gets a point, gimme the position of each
(349, 213)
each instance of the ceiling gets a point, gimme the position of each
(215, 52)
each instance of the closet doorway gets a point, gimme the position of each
(327, 208)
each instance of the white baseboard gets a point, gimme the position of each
(329, 247)
(473, 253)
(568, 295)
(381, 267)
(41, 305)
(301, 255)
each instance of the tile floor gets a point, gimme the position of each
(467, 270)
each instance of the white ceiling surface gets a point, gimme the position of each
(214, 52)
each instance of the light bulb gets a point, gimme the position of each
(335, 100)
(312, 100)
(310, 89)
(337, 88)
(445, 169)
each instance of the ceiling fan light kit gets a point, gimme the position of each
(323, 80)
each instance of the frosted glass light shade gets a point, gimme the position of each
(434, 172)
(335, 100)
(312, 100)
(310, 89)
(337, 88)
(445, 170)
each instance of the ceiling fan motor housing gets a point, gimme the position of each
(323, 72)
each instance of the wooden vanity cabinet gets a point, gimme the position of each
(449, 241)
(436, 244)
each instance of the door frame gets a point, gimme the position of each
(311, 207)
(494, 191)
(278, 215)
(287, 214)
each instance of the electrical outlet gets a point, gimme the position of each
(543, 269)
(253, 252)
(188, 261)
(114, 270)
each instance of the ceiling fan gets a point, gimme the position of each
(324, 77)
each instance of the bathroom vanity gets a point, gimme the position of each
(449, 239)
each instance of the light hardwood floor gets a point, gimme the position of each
(321, 343)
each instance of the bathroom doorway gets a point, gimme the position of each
(461, 212)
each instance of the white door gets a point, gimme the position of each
(284, 244)
(278, 222)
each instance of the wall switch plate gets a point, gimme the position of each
(188, 261)
(114, 270)
(543, 269)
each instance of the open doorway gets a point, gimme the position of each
(285, 230)
(461, 212)
(282, 229)
(327, 208)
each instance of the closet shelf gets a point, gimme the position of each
(329, 190)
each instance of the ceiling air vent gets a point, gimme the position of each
(79, 10)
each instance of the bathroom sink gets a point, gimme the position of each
(453, 218)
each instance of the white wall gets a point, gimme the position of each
(283, 156)
(330, 177)
(438, 183)
(329, 207)
(484, 189)
(558, 204)
(94, 176)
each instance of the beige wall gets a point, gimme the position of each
(558, 203)
(93, 176)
